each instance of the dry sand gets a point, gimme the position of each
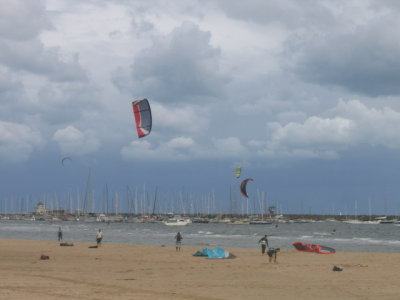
(156, 272)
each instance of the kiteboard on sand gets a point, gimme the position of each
(308, 247)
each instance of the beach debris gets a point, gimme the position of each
(354, 265)
(66, 244)
(44, 257)
(336, 268)
(93, 246)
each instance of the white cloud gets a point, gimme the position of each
(316, 137)
(314, 131)
(176, 149)
(180, 118)
(374, 126)
(228, 147)
(73, 141)
(181, 143)
(184, 148)
(353, 124)
(17, 141)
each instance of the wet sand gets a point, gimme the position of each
(156, 272)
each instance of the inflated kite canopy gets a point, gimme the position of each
(243, 187)
(142, 113)
(238, 171)
(64, 159)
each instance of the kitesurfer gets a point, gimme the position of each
(99, 237)
(264, 244)
(272, 252)
(178, 239)
(60, 234)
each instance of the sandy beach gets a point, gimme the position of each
(159, 272)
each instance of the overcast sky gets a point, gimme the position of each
(304, 95)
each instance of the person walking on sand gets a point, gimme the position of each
(264, 244)
(99, 237)
(178, 239)
(60, 233)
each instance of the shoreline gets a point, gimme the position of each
(122, 271)
(342, 237)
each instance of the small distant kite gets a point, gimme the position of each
(238, 171)
(142, 113)
(65, 158)
(243, 187)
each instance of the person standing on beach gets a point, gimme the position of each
(264, 244)
(60, 234)
(178, 239)
(99, 237)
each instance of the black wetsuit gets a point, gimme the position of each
(264, 244)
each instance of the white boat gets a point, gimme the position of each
(240, 222)
(353, 221)
(260, 222)
(102, 218)
(177, 222)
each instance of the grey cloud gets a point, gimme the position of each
(181, 66)
(67, 102)
(17, 141)
(9, 87)
(22, 19)
(31, 56)
(115, 35)
(364, 61)
(13, 98)
(21, 23)
(142, 27)
(288, 13)
(349, 44)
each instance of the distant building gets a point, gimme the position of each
(40, 209)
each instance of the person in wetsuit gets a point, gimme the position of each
(178, 239)
(264, 244)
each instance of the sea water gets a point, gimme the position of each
(341, 236)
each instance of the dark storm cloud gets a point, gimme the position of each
(288, 13)
(349, 44)
(181, 66)
(364, 61)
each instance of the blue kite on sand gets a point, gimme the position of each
(216, 253)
